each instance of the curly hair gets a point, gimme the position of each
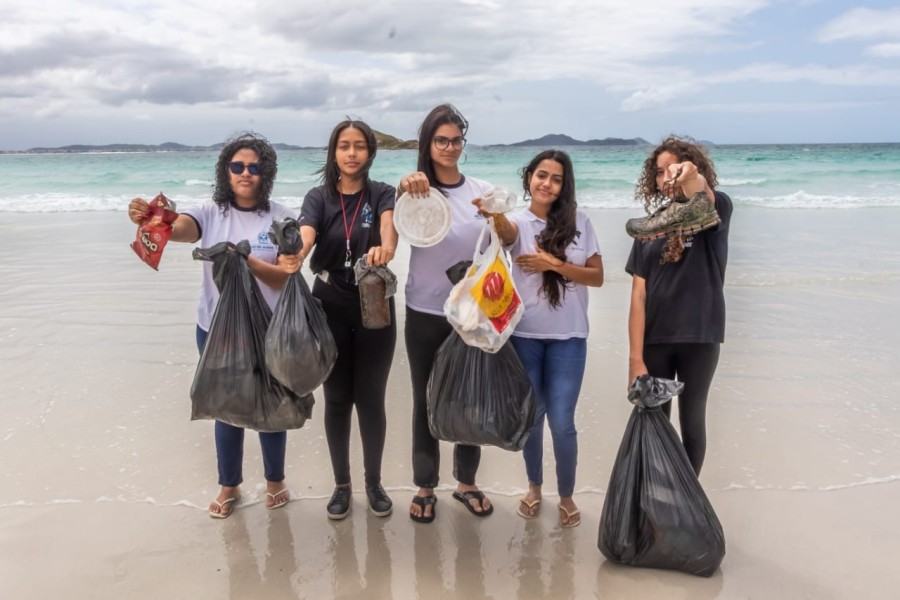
(223, 195)
(444, 114)
(684, 149)
(330, 173)
(647, 192)
(560, 229)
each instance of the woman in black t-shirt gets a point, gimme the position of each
(346, 218)
(677, 318)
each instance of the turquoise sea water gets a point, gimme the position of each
(770, 176)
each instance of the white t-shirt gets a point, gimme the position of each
(541, 321)
(235, 225)
(427, 286)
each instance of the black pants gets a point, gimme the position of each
(424, 334)
(695, 365)
(359, 379)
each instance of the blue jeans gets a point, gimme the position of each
(230, 446)
(555, 368)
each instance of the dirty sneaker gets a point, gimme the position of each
(678, 218)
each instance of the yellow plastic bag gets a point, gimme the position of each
(485, 306)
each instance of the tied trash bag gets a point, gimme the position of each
(485, 306)
(479, 398)
(376, 285)
(232, 383)
(154, 231)
(299, 348)
(655, 513)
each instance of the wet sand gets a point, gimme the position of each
(105, 481)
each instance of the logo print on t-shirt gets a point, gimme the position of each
(367, 216)
(263, 238)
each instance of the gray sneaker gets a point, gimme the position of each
(678, 218)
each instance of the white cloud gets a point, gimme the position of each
(863, 23)
(888, 50)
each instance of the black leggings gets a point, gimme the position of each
(359, 379)
(424, 334)
(695, 365)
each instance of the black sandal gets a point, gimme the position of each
(464, 497)
(424, 501)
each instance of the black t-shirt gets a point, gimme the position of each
(685, 300)
(324, 214)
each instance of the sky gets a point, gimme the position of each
(196, 72)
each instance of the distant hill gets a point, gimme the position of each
(389, 142)
(384, 141)
(559, 139)
(165, 147)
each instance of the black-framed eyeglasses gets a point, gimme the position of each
(238, 168)
(441, 143)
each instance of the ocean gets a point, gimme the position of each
(839, 176)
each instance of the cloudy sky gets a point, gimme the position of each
(190, 71)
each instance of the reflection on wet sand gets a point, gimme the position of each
(537, 547)
(347, 581)
(246, 577)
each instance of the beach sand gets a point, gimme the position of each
(104, 480)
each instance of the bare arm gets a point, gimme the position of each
(591, 274)
(686, 176)
(184, 229)
(383, 254)
(636, 322)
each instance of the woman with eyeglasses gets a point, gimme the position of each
(346, 218)
(441, 142)
(240, 210)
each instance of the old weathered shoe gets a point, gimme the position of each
(678, 218)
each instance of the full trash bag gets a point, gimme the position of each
(479, 398)
(232, 383)
(655, 513)
(299, 348)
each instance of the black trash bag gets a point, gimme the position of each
(232, 383)
(300, 349)
(456, 272)
(478, 398)
(656, 514)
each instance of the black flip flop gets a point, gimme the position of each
(424, 501)
(464, 497)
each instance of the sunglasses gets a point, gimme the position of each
(238, 168)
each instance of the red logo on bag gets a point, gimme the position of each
(492, 286)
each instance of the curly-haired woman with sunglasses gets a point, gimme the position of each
(441, 142)
(240, 210)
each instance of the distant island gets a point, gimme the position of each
(384, 141)
(559, 139)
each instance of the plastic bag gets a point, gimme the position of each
(498, 200)
(485, 306)
(299, 347)
(479, 398)
(376, 286)
(154, 231)
(656, 513)
(231, 383)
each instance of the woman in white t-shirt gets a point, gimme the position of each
(441, 142)
(240, 210)
(556, 258)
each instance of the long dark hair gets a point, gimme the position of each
(223, 195)
(440, 115)
(330, 174)
(560, 229)
(647, 192)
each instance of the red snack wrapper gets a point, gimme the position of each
(154, 231)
